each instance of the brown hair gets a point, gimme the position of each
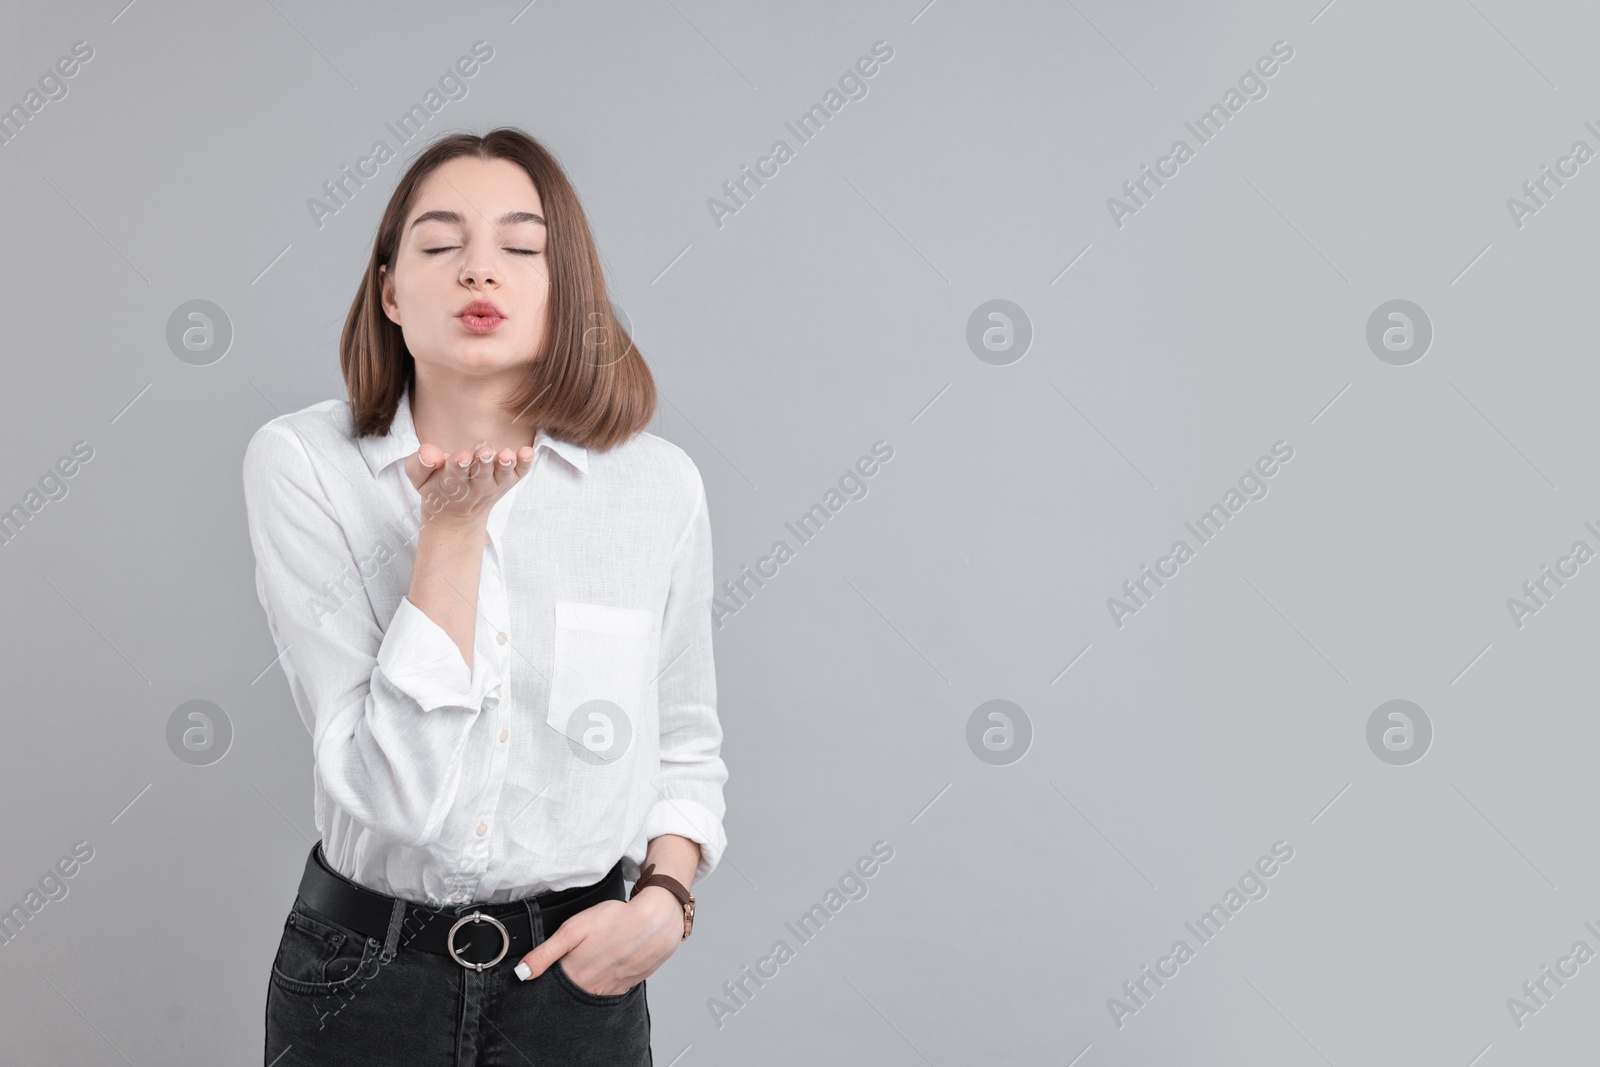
(589, 384)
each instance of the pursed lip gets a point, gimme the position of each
(481, 309)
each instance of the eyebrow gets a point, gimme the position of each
(510, 218)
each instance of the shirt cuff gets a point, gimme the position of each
(691, 819)
(420, 659)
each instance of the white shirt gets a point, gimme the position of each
(446, 786)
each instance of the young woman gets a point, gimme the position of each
(492, 593)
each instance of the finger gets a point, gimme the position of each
(534, 963)
(483, 470)
(480, 480)
(421, 464)
(457, 470)
(505, 462)
(525, 457)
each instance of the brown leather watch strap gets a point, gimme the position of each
(671, 885)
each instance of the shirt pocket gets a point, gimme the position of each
(601, 675)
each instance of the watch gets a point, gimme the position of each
(671, 885)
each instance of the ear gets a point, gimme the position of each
(386, 294)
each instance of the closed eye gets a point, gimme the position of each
(518, 251)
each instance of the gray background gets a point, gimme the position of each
(830, 313)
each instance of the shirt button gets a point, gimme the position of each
(497, 690)
(483, 828)
(500, 638)
(458, 897)
(504, 734)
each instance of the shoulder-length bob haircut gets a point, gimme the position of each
(588, 384)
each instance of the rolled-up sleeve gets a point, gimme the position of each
(421, 660)
(692, 770)
(390, 709)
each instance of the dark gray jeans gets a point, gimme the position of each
(338, 998)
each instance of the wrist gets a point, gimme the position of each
(446, 527)
(663, 909)
(682, 897)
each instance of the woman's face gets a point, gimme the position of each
(475, 233)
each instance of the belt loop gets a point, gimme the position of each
(535, 922)
(391, 943)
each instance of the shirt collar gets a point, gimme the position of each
(401, 441)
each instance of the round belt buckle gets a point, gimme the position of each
(478, 917)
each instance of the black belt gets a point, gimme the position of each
(474, 935)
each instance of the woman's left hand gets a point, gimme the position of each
(612, 947)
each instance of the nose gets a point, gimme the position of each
(476, 274)
(475, 269)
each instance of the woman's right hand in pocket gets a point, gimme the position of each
(459, 488)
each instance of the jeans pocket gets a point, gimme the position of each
(317, 957)
(598, 999)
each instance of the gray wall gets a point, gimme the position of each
(1144, 763)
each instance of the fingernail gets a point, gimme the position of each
(523, 970)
